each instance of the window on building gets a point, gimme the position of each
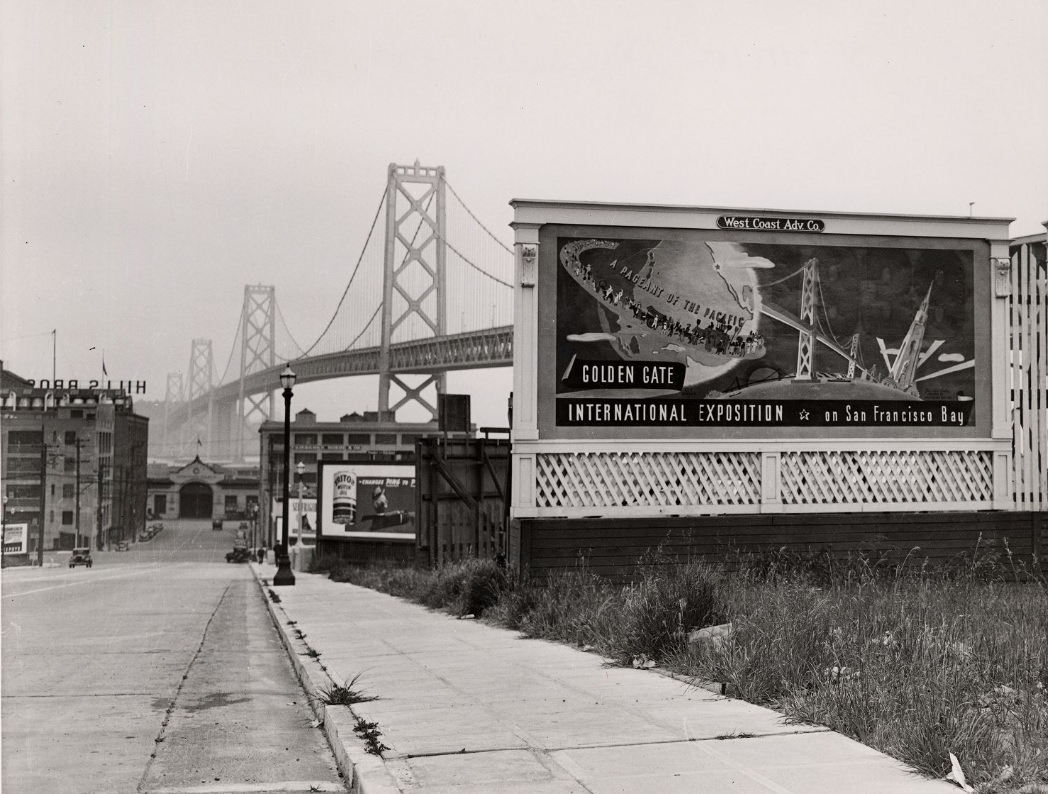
(332, 439)
(67, 518)
(25, 438)
(385, 438)
(305, 440)
(231, 503)
(358, 438)
(309, 458)
(23, 465)
(331, 456)
(68, 490)
(160, 503)
(408, 439)
(70, 437)
(70, 465)
(24, 491)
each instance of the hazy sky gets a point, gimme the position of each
(158, 156)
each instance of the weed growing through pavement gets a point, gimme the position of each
(345, 694)
(369, 732)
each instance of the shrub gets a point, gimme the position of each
(466, 588)
(657, 613)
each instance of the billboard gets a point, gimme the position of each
(16, 538)
(305, 507)
(366, 500)
(735, 333)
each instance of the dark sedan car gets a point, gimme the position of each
(80, 557)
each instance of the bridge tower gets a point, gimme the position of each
(257, 352)
(414, 275)
(806, 342)
(904, 370)
(854, 352)
(201, 374)
(174, 394)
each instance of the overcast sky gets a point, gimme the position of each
(158, 156)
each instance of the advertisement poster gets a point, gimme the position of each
(698, 331)
(367, 500)
(16, 538)
(307, 509)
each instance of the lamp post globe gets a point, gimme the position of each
(284, 576)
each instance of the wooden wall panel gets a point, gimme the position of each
(613, 547)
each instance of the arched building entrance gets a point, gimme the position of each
(195, 500)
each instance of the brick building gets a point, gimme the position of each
(74, 464)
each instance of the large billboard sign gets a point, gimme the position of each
(734, 332)
(366, 501)
(16, 538)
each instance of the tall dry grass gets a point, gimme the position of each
(915, 662)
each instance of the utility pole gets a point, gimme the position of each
(76, 544)
(43, 495)
(101, 480)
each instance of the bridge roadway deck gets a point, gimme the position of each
(491, 347)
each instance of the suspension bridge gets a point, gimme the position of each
(431, 292)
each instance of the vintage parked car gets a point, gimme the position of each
(216, 523)
(81, 556)
(123, 545)
(238, 555)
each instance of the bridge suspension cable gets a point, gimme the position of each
(352, 276)
(477, 220)
(237, 341)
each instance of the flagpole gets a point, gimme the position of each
(54, 355)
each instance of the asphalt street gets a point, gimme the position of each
(157, 670)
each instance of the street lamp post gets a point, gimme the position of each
(256, 541)
(284, 576)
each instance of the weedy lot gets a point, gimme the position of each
(913, 661)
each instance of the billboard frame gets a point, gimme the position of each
(362, 469)
(604, 474)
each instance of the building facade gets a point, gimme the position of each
(199, 490)
(74, 465)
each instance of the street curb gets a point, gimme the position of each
(366, 774)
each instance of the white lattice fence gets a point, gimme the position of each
(648, 479)
(852, 478)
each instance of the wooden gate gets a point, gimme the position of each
(461, 492)
(1028, 348)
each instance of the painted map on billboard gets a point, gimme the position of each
(722, 333)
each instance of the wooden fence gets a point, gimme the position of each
(461, 493)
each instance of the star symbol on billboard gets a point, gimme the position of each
(805, 416)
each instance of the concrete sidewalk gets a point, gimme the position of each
(471, 709)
